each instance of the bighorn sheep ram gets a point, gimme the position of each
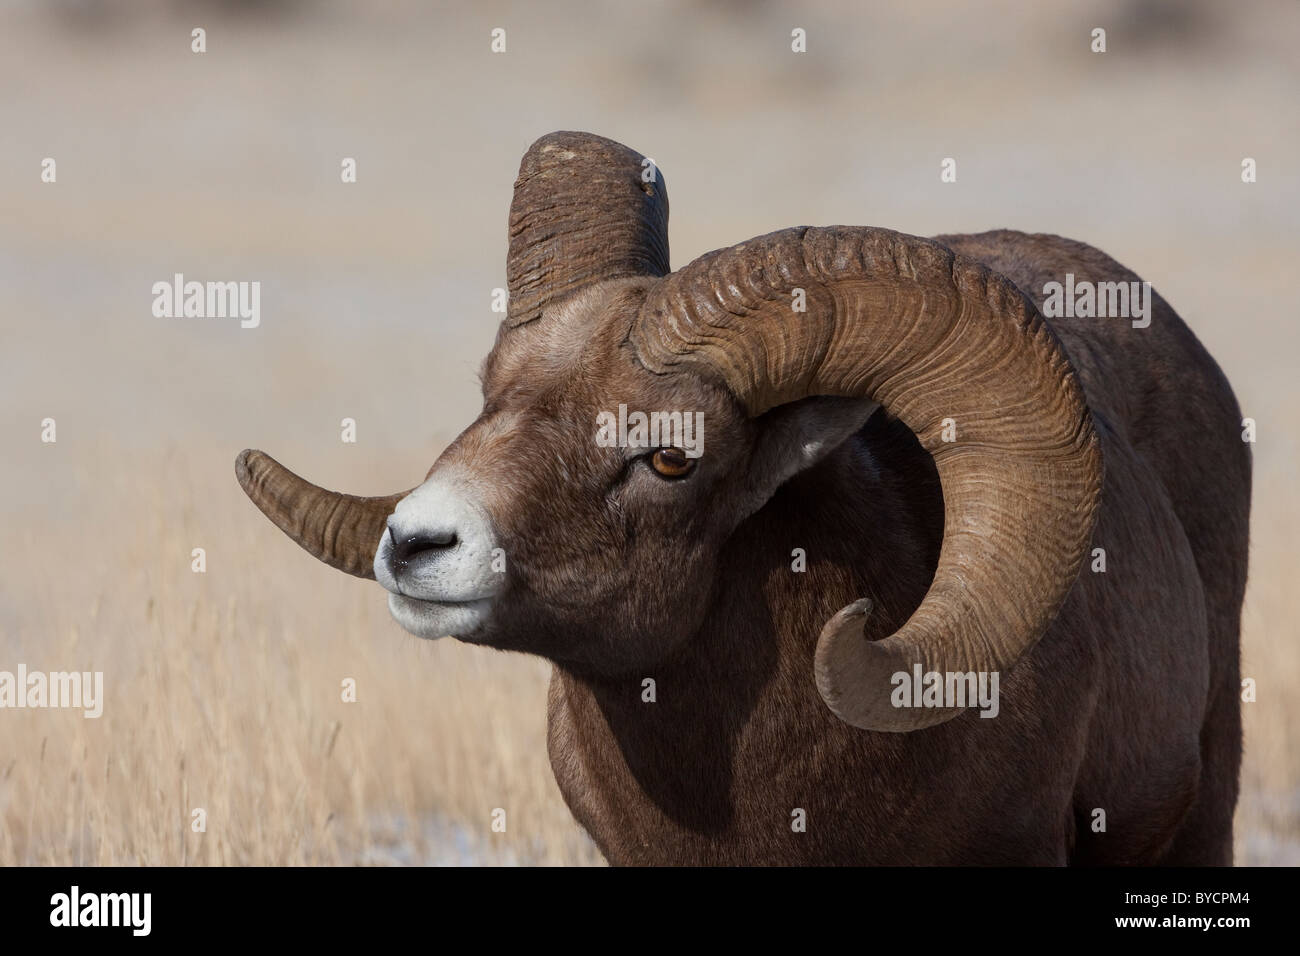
(929, 444)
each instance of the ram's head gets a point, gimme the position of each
(555, 525)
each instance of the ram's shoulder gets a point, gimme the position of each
(1031, 259)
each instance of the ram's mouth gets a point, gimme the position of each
(435, 619)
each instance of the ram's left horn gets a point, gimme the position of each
(341, 530)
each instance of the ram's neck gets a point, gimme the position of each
(694, 747)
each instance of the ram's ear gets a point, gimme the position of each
(795, 436)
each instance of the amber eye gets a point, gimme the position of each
(672, 463)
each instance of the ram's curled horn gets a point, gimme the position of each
(585, 209)
(341, 530)
(932, 337)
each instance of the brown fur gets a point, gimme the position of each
(1128, 705)
(1125, 711)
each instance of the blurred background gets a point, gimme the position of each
(223, 688)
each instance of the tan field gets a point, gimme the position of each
(224, 689)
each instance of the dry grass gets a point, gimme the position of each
(224, 693)
(1268, 812)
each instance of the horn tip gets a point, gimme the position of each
(243, 467)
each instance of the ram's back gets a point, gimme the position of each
(1167, 416)
(1157, 388)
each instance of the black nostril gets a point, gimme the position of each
(407, 548)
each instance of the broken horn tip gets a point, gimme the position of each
(243, 460)
(859, 608)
